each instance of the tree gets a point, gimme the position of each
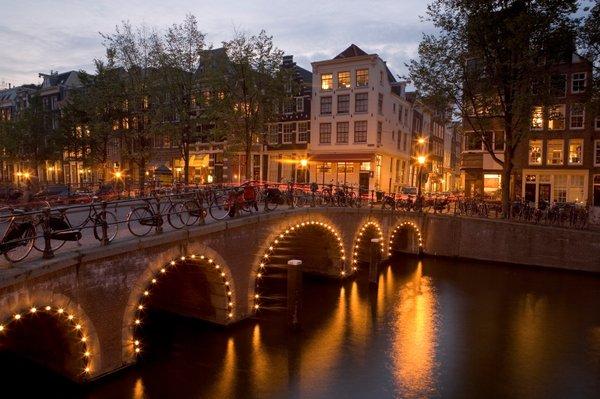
(589, 41)
(247, 88)
(493, 61)
(179, 58)
(133, 53)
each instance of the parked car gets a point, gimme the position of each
(408, 191)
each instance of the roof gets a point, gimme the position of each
(304, 74)
(352, 51)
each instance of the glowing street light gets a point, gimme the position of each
(304, 162)
(421, 140)
(118, 174)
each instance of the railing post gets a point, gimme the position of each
(159, 221)
(48, 252)
(291, 197)
(104, 240)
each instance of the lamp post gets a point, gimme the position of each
(421, 160)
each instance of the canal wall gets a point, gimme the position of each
(510, 242)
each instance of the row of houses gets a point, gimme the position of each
(351, 122)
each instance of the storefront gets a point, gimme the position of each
(555, 185)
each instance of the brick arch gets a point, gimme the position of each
(221, 285)
(69, 315)
(406, 225)
(358, 242)
(270, 250)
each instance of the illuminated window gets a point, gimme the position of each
(597, 153)
(326, 81)
(362, 77)
(578, 82)
(555, 152)
(365, 166)
(537, 118)
(491, 183)
(344, 80)
(325, 133)
(299, 104)
(575, 151)
(560, 188)
(345, 167)
(361, 102)
(343, 104)
(342, 129)
(556, 117)
(326, 105)
(577, 116)
(535, 152)
(360, 131)
(575, 189)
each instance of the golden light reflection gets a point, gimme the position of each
(415, 335)
(225, 385)
(138, 389)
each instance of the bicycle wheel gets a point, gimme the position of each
(22, 246)
(39, 243)
(112, 226)
(139, 221)
(193, 212)
(219, 206)
(176, 214)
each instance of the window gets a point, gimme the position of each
(288, 106)
(578, 82)
(289, 131)
(558, 85)
(360, 131)
(560, 188)
(361, 102)
(326, 81)
(499, 140)
(381, 78)
(362, 77)
(343, 104)
(379, 132)
(342, 129)
(537, 118)
(556, 117)
(597, 190)
(473, 142)
(326, 105)
(380, 104)
(400, 113)
(299, 104)
(325, 133)
(303, 132)
(535, 152)
(345, 167)
(597, 123)
(577, 116)
(343, 80)
(274, 133)
(575, 151)
(575, 192)
(597, 153)
(555, 152)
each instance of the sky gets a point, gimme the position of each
(62, 35)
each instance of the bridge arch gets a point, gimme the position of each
(216, 276)
(294, 241)
(362, 240)
(54, 332)
(406, 237)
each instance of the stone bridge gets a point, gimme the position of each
(79, 313)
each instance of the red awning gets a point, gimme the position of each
(347, 157)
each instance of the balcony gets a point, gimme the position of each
(471, 160)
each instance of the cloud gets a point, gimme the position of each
(63, 34)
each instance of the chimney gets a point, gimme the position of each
(288, 60)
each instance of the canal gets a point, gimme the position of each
(432, 328)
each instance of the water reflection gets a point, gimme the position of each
(436, 328)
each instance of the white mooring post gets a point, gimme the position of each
(294, 292)
(373, 260)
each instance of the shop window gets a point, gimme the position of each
(365, 166)
(560, 188)
(575, 151)
(555, 152)
(345, 167)
(491, 183)
(535, 152)
(575, 191)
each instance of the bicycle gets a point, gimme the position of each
(18, 239)
(142, 219)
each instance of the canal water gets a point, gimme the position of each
(432, 328)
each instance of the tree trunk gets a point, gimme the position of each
(142, 174)
(248, 161)
(505, 184)
(186, 163)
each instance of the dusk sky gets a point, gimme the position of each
(61, 35)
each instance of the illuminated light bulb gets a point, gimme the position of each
(78, 327)
(210, 260)
(146, 293)
(33, 310)
(137, 350)
(270, 248)
(136, 342)
(256, 306)
(137, 321)
(86, 354)
(153, 281)
(222, 274)
(201, 256)
(48, 307)
(259, 275)
(17, 316)
(281, 236)
(262, 264)
(172, 263)
(60, 310)
(276, 241)
(265, 256)
(83, 339)
(1, 327)
(87, 369)
(163, 270)
(70, 317)
(230, 315)
(183, 258)
(287, 232)
(343, 273)
(226, 282)
(193, 256)
(256, 296)
(354, 268)
(229, 293)
(355, 261)
(141, 307)
(217, 266)
(343, 258)
(230, 303)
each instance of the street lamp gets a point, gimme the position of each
(421, 140)
(421, 160)
(304, 162)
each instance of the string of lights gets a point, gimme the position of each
(286, 233)
(357, 242)
(201, 261)
(401, 226)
